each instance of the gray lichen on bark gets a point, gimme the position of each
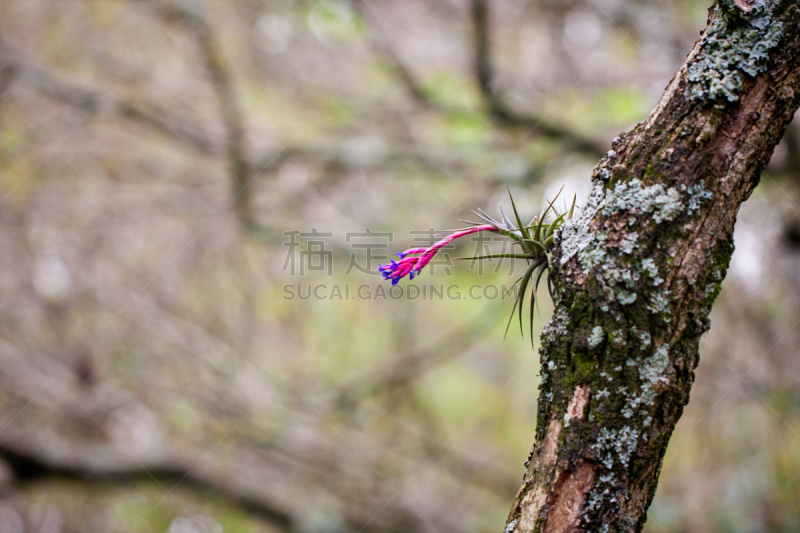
(637, 271)
(736, 46)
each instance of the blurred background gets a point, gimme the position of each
(185, 186)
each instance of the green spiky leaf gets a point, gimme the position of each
(525, 233)
(537, 234)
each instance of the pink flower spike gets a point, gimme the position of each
(414, 259)
(411, 251)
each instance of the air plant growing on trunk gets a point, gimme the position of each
(534, 239)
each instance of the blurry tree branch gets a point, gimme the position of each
(345, 157)
(30, 466)
(406, 76)
(483, 62)
(31, 461)
(216, 69)
(100, 101)
(498, 109)
(263, 477)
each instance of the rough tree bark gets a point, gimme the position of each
(637, 271)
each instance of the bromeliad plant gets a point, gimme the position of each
(535, 240)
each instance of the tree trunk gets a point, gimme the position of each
(637, 271)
